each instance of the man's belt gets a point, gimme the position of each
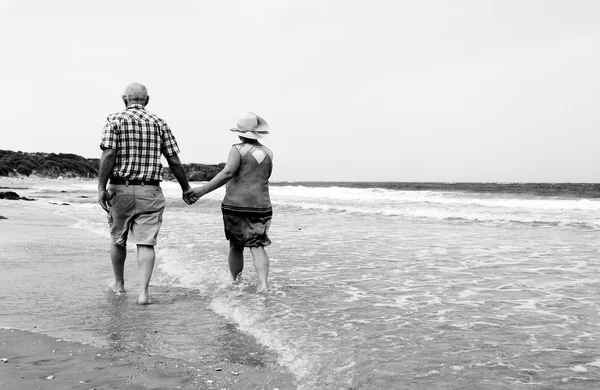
(127, 182)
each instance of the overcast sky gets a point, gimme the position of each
(404, 90)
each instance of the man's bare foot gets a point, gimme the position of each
(116, 287)
(143, 298)
(261, 288)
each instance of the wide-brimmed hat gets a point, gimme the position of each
(250, 125)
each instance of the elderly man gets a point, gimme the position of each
(133, 141)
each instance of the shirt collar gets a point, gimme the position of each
(135, 106)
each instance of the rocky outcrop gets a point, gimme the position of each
(196, 172)
(9, 195)
(64, 165)
(49, 165)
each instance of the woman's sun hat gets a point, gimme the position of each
(250, 125)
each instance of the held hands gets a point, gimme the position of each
(190, 196)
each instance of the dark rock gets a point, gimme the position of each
(196, 172)
(3, 217)
(9, 195)
(197, 176)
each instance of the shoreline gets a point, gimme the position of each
(35, 360)
(36, 237)
(39, 361)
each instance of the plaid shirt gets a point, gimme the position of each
(139, 137)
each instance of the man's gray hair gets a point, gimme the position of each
(136, 92)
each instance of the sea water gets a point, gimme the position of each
(376, 287)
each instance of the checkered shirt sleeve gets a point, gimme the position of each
(109, 135)
(169, 144)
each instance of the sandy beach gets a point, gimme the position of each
(36, 361)
(40, 240)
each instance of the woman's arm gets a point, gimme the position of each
(231, 167)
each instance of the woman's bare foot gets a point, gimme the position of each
(143, 298)
(261, 288)
(237, 279)
(116, 287)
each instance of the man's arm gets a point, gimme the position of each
(179, 173)
(107, 162)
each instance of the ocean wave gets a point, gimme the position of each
(377, 195)
(573, 190)
(451, 207)
(450, 214)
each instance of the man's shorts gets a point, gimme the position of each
(135, 210)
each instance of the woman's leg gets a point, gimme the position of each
(236, 260)
(261, 263)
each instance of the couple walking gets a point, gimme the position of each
(133, 141)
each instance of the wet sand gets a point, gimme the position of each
(38, 361)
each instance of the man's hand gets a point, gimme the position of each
(104, 200)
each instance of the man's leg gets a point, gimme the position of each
(236, 260)
(146, 258)
(261, 263)
(117, 256)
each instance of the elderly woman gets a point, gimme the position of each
(246, 207)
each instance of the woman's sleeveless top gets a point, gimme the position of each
(247, 192)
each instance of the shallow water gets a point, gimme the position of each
(370, 289)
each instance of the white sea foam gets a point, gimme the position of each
(447, 212)
(376, 195)
(250, 320)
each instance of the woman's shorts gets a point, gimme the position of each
(136, 212)
(247, 231)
